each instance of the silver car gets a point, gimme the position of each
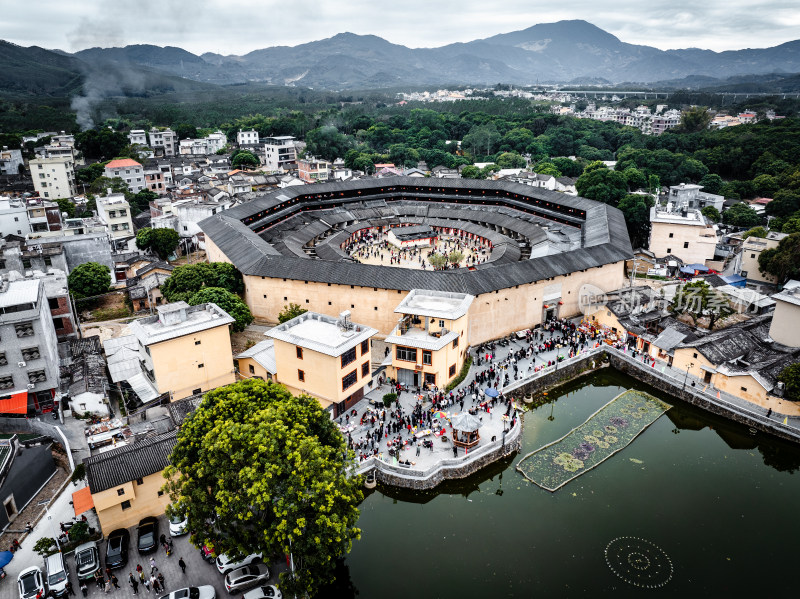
(30, 583)
(203, 592)
(246, 578)
(266, 592)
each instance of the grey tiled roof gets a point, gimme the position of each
(603, 237)
(125, 464)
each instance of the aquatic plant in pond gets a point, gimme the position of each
(606, 432)
(639, 562)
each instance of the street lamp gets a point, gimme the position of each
(688, 368)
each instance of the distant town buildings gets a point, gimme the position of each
(129, 171)
(54, 177)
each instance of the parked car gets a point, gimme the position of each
(87, 560)
(203, 592)
(207, 554)
(147, 535)
(227, 564)
(266, 592)
(56, 574)
(30, 583)
(246, 578)
(117, 549)
(177, 526)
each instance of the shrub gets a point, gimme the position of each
(461, 375)
(389, 398)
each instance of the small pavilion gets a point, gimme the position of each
(465, 430)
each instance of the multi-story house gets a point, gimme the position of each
(325, 357)
(137, 137)
(13, 217)
(163, 141)
(10, 161)
(747, 259)
(129, 171)
(185, 349)
(54, 178)
(313, 170)
(115, 212)
(280, 153)
(247, 137)
(683, 233)
(43, 215)
(29, 373)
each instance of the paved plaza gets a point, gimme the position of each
(381, 253)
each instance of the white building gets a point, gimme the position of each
(13, 217)
(280, 153)
(54, 178)
(129, 171)
(163, 141)
(115, 212)
(247, 137)
(10, 161)
(689, 196)
(138, 137)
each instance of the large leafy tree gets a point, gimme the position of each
(741, 215)
(245, 159)
(258, 470)
(712, 183)
(289, 312)
(699, 299)
(162, 241)
(141, 201)
(230, 302)
(89, 279)
(188, 279)
(783, 261)
(711, 213)
(102, 143)
(326, 142)
(599, 183)
(636, 209)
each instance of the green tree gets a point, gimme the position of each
(694, 119)
(471, 172)
(246, 159)
(601, 184)
(741, 215)
(635, 178)
(765, 185)
(545, 167)
(510, 160)
(455, 257)
(699, 299)
(185, 131)
(790, 377)
(654, 184)
(783, 261)
(711, 213)
(102, 143)
(273, 474)
(141, 201)
(161, 241)
(66, 206)
(101, 185)
(188, 279)
(785, 203)
(88, 174)
(89, 279)
(636, 210)
(45, 546)
(289, 312)
(792, 225)
(438, 261)
(711, 183)
(226, 300)
(755, 232)
(326, 142)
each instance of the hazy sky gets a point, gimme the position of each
(239, 26)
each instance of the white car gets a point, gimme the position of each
(226, 564)
(266, 592)
(246, 578)
(177, 526)
(203, 592)
(30, 583)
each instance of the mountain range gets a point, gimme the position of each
(564, 52)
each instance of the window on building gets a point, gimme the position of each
(6, 382)
(26, 263)
(23, 329)
(670, 235)
(120, 492)
(364, 369)
(455, 342)
(299, 352)
(694, 355)
(197, 342)
(427, 357)
(251, 369)
(197, 391)
(752, 255)
(744, 389)
(685, 244)
(301, 376)
(139, 481)
(58, 323)
(669, 250)
(349, 380)
(125, 504)
(348, 356)
(48, 261)
(30, 353)
(452, 370)
(37, 376)
(430, 378)
(53, 303)
(408, 354)
(441, 323)
(3, 359)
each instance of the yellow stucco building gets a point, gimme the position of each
(126, 482)
(430, 342)
(751, 250)
(185, 349)
(325, 357)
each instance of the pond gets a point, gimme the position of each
(720, 503)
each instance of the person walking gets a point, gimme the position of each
(153, 567)
(182, 564)
(134, 583)
(84, 590)
(114, 581)
(154, 583)
(70, 589)
(108, 586)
